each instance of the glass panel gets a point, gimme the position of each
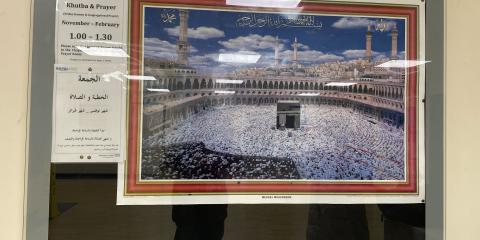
(83, 207)
(318, 102)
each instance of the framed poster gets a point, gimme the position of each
(289, 102)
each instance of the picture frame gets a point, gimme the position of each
(133, 188)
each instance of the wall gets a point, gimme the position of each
(462, 119)
(14, 66)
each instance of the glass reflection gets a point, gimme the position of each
(198, 222)
(337, 222)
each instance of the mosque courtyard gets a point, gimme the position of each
(242, 142)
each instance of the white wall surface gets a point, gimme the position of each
(462, 119)
(14, 69)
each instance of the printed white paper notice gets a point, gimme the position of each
(88, 115)
(91, 31)
(89, 94)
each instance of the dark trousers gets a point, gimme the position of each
(403, 221)
(337, 222)
(401, 231)
(199, 222)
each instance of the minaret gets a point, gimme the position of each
(394, 55)
(182, 44)
(277, 53)
(368, 47)
(295, 53)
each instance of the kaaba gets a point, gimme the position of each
(288, 114)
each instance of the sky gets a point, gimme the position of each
(211, 32)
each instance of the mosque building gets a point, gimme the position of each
(180, 91)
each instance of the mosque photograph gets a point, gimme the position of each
(242, 95)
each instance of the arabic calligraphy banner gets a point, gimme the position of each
(275, 21)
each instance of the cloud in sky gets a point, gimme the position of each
(264, 45)
(209, 63)
(358, 53)
(203, 60)
(251, 42)
(312, 56)
(358, 22)
(377, 56)
(351, 22)
(198, 33)
(381, 57)
(303, 46)
(154, 47)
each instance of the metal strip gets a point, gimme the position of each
(434, 120)
(40, 128)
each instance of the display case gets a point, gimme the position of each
(236, 119)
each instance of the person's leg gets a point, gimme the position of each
(211, 224)
(400, 231)
(184, 217)
(337, 222)
(199, 222)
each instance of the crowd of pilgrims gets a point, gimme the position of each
(332, 143)
(194, 161)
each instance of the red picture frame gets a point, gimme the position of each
(133, 185)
